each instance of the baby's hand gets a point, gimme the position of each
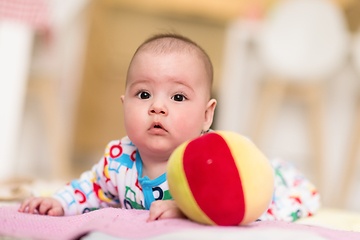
(44, 205)
(164, 209)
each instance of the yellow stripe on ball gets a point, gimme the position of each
(256, 174)
(177, 180)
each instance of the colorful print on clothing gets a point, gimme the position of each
(294, 195)
(115, 180)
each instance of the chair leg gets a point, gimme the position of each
(314, 96)
(350, 165)
(271, 98)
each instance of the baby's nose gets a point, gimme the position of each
(158, 107)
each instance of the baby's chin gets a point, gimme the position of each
(159, 146)
(162, 150)
(159, 150)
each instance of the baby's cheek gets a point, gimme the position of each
(188, 127)
(133, 125)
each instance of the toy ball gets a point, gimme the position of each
(220, 178)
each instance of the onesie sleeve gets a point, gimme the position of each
(294, 195)
(94, 189)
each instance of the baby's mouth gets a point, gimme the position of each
(157, 126)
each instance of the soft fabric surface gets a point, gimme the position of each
(132, 224)
(335, 219)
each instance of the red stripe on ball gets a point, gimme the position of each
(214, 179)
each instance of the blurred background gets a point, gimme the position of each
(286, 74)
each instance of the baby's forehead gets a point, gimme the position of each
(145, 55)
(165, 46)
(189, 52)
(146, 59)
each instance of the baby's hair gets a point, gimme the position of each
(170, 42)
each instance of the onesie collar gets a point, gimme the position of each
(147, 184)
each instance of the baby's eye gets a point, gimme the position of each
(143, 95)
(178, 97)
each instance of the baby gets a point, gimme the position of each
(166, 102)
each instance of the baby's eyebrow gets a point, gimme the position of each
(138, 82)
(184, 84)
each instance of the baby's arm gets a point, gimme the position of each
(44, 205)
(164, 209)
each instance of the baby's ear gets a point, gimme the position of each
(122, 98)
(209, 114)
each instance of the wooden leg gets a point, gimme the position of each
(350, 165)
(271, 97)
(314, 97)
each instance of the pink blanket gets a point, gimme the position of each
(128, 224)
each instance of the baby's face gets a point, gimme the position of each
(166, 101)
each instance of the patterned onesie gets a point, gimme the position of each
(116, 181)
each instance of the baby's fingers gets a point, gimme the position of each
(56, 211)
(155, 212)
(34, 204)
(24, 204)
(45, 205)
(172, 213)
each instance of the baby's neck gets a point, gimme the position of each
(153, 168)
